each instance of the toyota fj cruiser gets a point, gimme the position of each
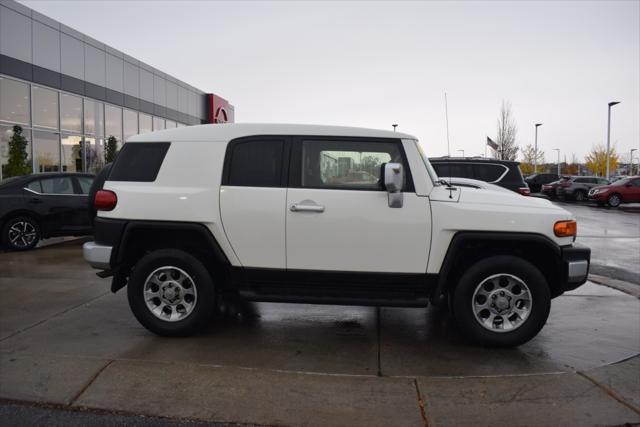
(325, 215)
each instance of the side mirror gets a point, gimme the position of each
(393, 179)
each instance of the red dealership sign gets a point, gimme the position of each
(219, 110)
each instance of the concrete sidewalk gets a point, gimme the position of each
(70, 343)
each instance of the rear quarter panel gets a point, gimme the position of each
(186, 190)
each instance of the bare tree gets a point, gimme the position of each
(507, 130)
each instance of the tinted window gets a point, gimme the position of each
(460, 170)
(139, 161)
(347, 164)
(256, 163)
(581, 180)
(602, 181)
(636, 182)
(62, 185)
(489, 173)
(35, 186)
(85, 183)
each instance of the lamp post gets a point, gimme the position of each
(558, 150)
(462, 152)
(395, 125)
(631, 161)
(535, 151)
(611, 104)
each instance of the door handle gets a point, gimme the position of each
(304, 207)
(35, 200)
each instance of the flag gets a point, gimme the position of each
(492, 144)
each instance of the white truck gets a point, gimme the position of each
(189, 215)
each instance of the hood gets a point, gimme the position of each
(498, 197)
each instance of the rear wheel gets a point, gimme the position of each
(171, 293)
(614, 200)
(501, 301)
(21, 233)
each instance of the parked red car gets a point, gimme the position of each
(550, 188)
(624, 190)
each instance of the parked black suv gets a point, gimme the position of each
(504, 173)
(537, 180)
(38, 206)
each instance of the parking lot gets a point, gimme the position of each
(613, 236)
(65, 340)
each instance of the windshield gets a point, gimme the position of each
(432, 173)
(622, 181)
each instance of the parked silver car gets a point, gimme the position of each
(577, 187)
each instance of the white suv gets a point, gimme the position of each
(322, 214)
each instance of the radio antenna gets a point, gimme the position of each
(446, 115)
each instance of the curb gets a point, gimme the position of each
(620, 285)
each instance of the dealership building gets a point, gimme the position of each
(70, 93)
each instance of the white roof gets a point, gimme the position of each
(228, 131)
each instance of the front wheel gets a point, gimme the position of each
(579, 196)
(21, 234)
(614, 200)
(501, 301)
(171, 293)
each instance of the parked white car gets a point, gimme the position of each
(274, 213)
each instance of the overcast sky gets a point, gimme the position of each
(374, 64)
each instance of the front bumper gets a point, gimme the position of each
(598, 196)
(98, 256)
(576, 260)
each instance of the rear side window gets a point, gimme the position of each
(490, 172)
(62, 185)
(85, 184)
(139, 161)
(255, 163)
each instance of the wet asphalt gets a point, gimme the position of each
(613, 234)
(65, 340)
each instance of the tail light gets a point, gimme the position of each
(524, 191)
(565, 228)
(105, 200)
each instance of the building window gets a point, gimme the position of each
(113, 122)
(71, 153)
(70, 113)
(14, 102)
(93, 118)
(46, 152)
(158, 123)
(45, 108)
(130, 123)
(6, 132)
(93, 154)
(146, 123)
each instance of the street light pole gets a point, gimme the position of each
(535, 151)
(611, 104)
(631, 161)
(558, 150)
(462, 152)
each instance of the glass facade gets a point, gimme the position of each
(64, 132)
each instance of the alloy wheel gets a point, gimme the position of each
(502, 302)
(170, 293)
(22, 234)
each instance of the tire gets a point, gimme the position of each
(579, 196)
(177, 281)
(492, 273)
(614, 200)
(21, 233)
